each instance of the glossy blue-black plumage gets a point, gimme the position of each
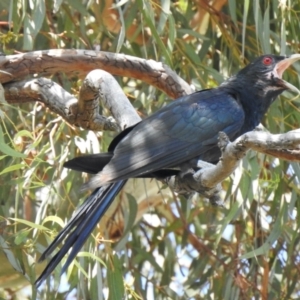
(181, 132)
(187, 128)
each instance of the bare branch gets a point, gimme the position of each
(85, 112)
(80, 62)
(209, 176)
(102, 85)
(45, 91)
(286, 154)
(264, 141)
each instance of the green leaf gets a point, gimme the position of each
(266, 31)
(130, 216)
(283, 38)
(273, 237)
(28, 33)
(56, 5)
(21, 236)
(92, 256)
(24, 133)
(30, 224)
(10, 256)
(8, 150)
(147, 11)
(258, 21)
(172, 33)
(165, 6)
(38, 15)
(12, 168)
(245, 14)
(229, 217)
(184, 31)
(115, 279)
(232, 10)
(122, 31)
(54, 219)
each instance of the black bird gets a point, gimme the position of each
(179, 133)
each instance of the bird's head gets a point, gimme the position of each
(258, 84)
(266, 72)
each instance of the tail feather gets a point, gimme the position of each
(92, 163)
(77, 217)
(80, 227)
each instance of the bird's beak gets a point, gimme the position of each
(282, 66)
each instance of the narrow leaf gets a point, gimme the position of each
(30, 224)
(10, 256)
(115, 279)
(8, 150)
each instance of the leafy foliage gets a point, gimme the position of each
(181, 248)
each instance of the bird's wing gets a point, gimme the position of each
(187, 128)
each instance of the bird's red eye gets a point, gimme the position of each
(267, 60)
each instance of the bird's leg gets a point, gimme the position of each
(187, 182)
(210, 176)
(211, 193)
(205, 178)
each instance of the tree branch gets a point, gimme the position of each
(59, 101)
(209, 176)
(100, 85)
(80, 62)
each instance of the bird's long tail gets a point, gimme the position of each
(80, 226)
